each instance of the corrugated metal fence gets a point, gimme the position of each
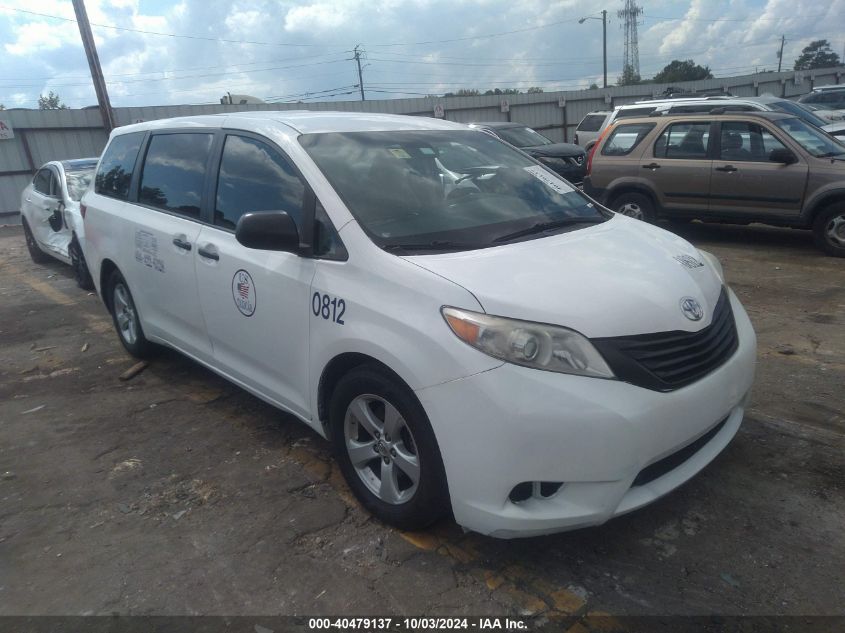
(40, 136)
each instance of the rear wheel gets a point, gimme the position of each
(634, 205)
(80, 267)
(829, 230)
(126, 319)
(37, 255)
(387, 450)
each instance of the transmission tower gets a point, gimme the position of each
(630, 14)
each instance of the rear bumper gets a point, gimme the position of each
(512, 425)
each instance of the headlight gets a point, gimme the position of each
(553, 161)
(714, 262)
(528, 344)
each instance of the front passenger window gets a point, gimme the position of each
(42, 182)
(255, 177)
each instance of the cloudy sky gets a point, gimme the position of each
(193, 51)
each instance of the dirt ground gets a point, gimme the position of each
(177, 493)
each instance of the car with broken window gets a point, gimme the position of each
(566, 159)
(473, 334)
(768, 167)
(50, 214)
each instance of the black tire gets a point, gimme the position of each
(37, 255)
(636, 205)
(119, 299)
(80, 266)
(829, 230)
(429, 501)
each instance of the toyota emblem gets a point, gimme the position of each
(692, 309)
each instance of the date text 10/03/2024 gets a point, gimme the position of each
(415, 624)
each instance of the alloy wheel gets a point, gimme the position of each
(835, 231)
(382, 449)
(632, 210)
(124, 312)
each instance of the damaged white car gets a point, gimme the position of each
(51, 217)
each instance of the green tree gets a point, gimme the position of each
(629, 77)
(463, 92)
(678, 70)
(593, 86)
(817, 54)
(51, 102)
(2, 107)
(534, 90)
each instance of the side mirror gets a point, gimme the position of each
(57, 219)
(269, 231)
(782, 155)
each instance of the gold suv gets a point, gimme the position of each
(737, 167)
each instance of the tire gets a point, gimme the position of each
(829, 230)
(634, 205)
(125, 317)
(80, 267)
(37, 255)
(367, 405)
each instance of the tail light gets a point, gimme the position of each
(593, 150)
(82, 210)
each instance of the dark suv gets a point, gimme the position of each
(741, 167)
(565, 159)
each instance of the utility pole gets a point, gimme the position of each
(94, 64)
(357, 59)
(780, 52)
(604, 43)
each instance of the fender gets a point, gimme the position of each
(820, 199)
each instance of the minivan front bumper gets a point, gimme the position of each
(511, 424)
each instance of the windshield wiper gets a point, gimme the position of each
(541, 227)
(435, 245)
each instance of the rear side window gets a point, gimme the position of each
(627, 113)
(624, 138)
(43, 182)
(115, 171)
(683, 140)
(255, 177)
(174, 173)
(591, 123)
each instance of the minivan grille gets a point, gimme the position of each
(665, 361)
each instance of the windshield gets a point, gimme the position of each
(77, 182)
(812, 139)
(444, 190)
(797, 110)
(522, 136)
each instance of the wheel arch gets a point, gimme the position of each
(107, 267)
(335, 370)
(632, 187)
(822, 202)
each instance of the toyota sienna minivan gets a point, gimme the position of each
(472, 334)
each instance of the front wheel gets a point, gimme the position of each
(634, 205)
(387, 450)
(829, 230)
(37, 255)
(80, 267)
(125, 317)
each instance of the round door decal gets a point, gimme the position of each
(243, 291)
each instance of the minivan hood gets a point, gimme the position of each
(617, 278)
(556, 150)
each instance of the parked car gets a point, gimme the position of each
(837, 130)
(347, 268)
(589, 128)
(565, 159)
(744, 167)
(831, 116)
(765, 103)
(50, 214)
(828, 97)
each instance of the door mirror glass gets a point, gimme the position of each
(782, 155)
(269, 231)
(56, 220)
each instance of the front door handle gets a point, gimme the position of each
(208, 254)
(178, 242)
(651, 166)
(727, 168)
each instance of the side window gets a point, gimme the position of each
(327, 242)
(624, 138)
(741, 141)
(115, 171)
(41, 182)
(683, 140)
(174, 172)
(591, 123)
(627, 113)
(255, 177)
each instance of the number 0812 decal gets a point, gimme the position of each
(328, 307)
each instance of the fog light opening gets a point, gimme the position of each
(534, 490)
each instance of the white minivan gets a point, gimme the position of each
(471, 332)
